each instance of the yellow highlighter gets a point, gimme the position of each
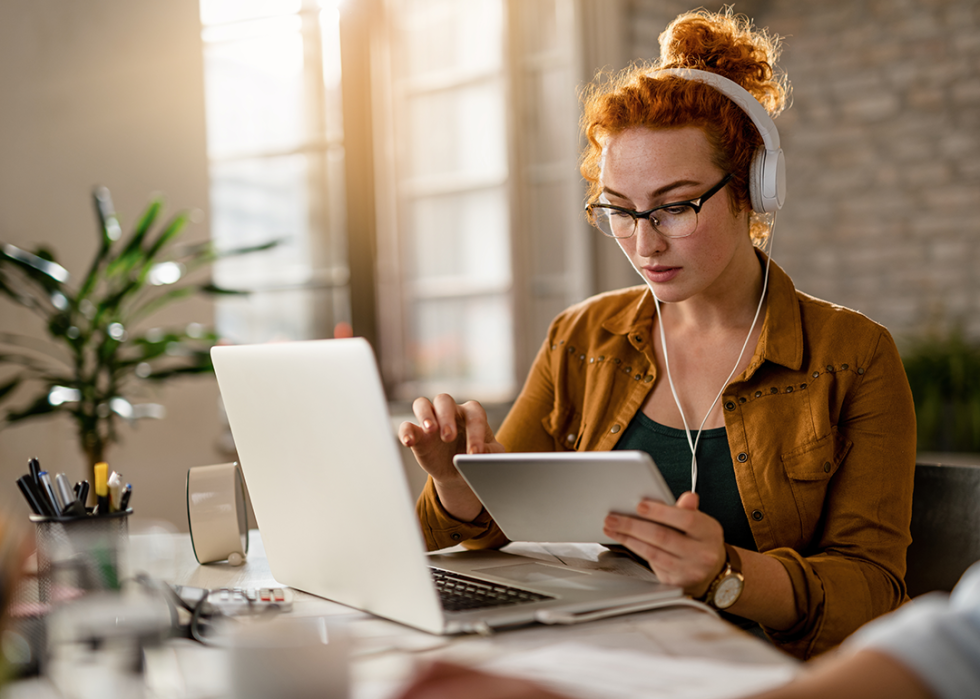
(101, 471)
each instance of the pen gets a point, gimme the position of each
(101, 487)
(25, 483)
(48, 489)
(35, 469)
(127, 492)
(81, 489)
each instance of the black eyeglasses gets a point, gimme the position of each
(676, 220)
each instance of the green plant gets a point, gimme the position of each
(944, 373)
(95, 359)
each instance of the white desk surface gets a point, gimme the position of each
(384, 653)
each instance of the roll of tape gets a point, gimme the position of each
(216, 513)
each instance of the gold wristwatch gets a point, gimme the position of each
(726, 588)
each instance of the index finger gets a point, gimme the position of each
(479, 436)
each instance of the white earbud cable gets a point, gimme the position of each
(693, 443)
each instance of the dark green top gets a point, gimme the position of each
(716, 475)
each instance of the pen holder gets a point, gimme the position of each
(76, 555)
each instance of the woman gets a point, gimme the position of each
(784, 423)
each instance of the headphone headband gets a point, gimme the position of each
(767, 179)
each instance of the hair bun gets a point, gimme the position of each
(727, 44)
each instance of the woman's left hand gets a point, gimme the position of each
(684, 546)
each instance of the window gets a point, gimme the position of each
(487, 242)
(460, 233)
(275, 147)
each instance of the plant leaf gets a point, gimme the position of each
(40, 407)
(7, 388)
(133, 253)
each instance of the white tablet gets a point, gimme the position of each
(561, 496)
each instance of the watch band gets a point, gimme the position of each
(731, 573)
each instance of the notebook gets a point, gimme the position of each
(319, 454)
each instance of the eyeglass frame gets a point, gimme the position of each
(696, 204)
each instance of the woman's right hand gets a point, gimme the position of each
(446, 428)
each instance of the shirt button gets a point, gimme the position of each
(844, 367)
(757, 515)
(742, 457)
(455, 536)
(830, 368)
(730, 405)
(789, 389)
(637, 377)
(570, 438)
(773, 390)
(742, 399)
(591, 360)
(615, 428)
(638, 338)
(816, 374)
(860, 370)
(758, 394)
(581, 357)
(648, 379)
(826, 467)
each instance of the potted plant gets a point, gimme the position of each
(98, 356)
(944, 374)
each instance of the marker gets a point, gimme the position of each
(63, 487)
(48, 489)
(115, 486)
(101, 487)
(25, 483)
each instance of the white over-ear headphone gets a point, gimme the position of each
(767, 174)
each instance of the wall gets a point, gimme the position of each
(104, 92)
(883, 152)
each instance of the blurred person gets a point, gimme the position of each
(928, 649)
(784, 424)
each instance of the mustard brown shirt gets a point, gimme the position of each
(821, 429)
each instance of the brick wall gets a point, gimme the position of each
(883, 153)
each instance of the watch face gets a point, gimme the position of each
(728, 591)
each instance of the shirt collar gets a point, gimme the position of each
(781, 340)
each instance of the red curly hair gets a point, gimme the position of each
(723, 43)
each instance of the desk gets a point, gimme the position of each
(385, 653)
(674, 652)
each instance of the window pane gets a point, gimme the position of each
(254, 91)
(460, 132)
(462, 235)
(449, 34)
(287, 314)
(222, 11)
(466, 343)
(254, 201)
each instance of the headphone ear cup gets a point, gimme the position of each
(767, 180)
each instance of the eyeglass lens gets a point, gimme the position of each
(674, 222)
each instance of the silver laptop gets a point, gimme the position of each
(323, 469)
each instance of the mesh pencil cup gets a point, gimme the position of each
(76, 555)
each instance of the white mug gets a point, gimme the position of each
(216, 513)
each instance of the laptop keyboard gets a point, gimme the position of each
(461, 592)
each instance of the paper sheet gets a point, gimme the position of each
(590, 672)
